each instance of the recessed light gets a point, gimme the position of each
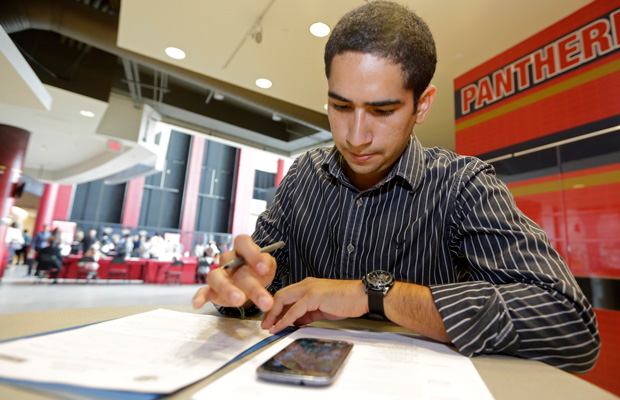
(263, 83)
(319, 29)
(325, 106)
(19, 211)
(87, 113)
(276, 117)
(218, 96)
(175, 53)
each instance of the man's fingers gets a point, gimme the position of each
(247, 281)
(287, 299)
(200, 298)
(228, 295)
(295, 312)
(233, 287)
(270, 317)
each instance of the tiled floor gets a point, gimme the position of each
(20, 293)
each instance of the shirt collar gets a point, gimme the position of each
(409, 167)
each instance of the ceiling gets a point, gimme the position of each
(83, 50)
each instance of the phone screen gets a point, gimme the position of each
(306, 361)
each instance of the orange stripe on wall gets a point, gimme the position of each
(580, 182)
(577, 78)
(572, 180)
(571, 108)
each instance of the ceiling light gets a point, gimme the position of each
(276, 117)
(87, 113)
(19, 211)
(175, 53)
(218, 96)
(319, 29)
(263, 83)
(325, 106)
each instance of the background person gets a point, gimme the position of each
(22, 253)
(125, 246)
(52, 249)
(39, 241)
(13, 241)
(89, 240)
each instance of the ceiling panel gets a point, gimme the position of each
(217, 37)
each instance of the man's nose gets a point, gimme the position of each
(359, 130)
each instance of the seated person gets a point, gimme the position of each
(89, 262)
(380, 225)
(206, 264)
(49, 259)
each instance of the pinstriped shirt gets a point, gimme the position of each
(444, 221)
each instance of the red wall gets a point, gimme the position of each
(557, 86)
(580, 211)
(605, 373)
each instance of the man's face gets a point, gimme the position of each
(371, 115)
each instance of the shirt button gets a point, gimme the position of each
(359, 202)
(350, 248)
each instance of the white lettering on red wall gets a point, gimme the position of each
(596, 39)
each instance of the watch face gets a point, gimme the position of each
(380, 278)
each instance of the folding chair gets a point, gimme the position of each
(118, 268)
(173, 273)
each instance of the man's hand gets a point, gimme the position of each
(234, 287)
(313, 299)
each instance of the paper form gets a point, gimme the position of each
(381, 366)
(155, 352)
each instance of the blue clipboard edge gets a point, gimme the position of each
(69, 391)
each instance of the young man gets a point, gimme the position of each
(379, 224)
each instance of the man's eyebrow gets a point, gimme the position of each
(381, 103)
(384, 103)
(338, 97)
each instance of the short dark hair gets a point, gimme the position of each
(392, 31)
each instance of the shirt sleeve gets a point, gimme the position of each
(515, 294)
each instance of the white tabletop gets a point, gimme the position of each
(506, 377)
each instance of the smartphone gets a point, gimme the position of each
(307, 361)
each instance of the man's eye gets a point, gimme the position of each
(380, 111)
(340, 106)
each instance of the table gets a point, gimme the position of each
(70, 268)
(147, 270)
(155, 270)
(506, 377)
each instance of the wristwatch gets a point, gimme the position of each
(378, 283)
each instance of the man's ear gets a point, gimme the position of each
(424, 103)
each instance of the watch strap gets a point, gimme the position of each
(375, 305)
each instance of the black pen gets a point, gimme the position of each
(239, 261)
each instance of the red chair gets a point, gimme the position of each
(173, 273)
(118, 268)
